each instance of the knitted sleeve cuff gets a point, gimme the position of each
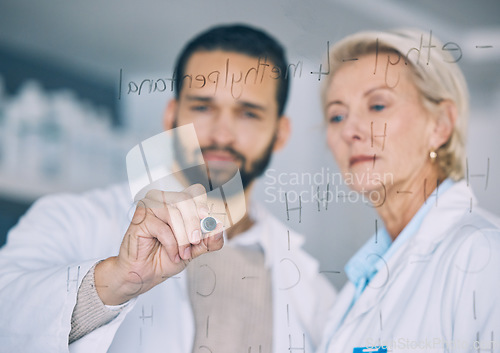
(90, 313)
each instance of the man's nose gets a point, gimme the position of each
(224, 129)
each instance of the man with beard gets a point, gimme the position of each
(66, 283)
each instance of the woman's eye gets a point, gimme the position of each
(249, 114)
(337, 118)
(378, 107)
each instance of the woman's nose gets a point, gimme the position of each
(355, 128)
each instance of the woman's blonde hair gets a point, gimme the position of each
(436, 76)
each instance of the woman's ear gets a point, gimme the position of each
(169, 114)
(444, 124)
(283, 132)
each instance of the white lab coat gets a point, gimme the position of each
(441, 288)
(55, 244)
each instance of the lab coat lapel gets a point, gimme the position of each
(371, 296)
(431, 233)
(290, 303)
(339, 310)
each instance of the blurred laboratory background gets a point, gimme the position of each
(69, 112)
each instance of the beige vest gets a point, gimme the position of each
(230, 293)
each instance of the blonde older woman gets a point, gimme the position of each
(428, 280)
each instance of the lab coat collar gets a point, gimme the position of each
(372, 256)
(456, 204)
(252, 236)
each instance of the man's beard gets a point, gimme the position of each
(215, 175)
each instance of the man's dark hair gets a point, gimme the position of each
(240, 39)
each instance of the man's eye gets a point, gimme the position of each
(378, 107)
(337, 118)
(199, 108)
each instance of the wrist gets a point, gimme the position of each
(113, 287)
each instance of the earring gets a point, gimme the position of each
(433, 155)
